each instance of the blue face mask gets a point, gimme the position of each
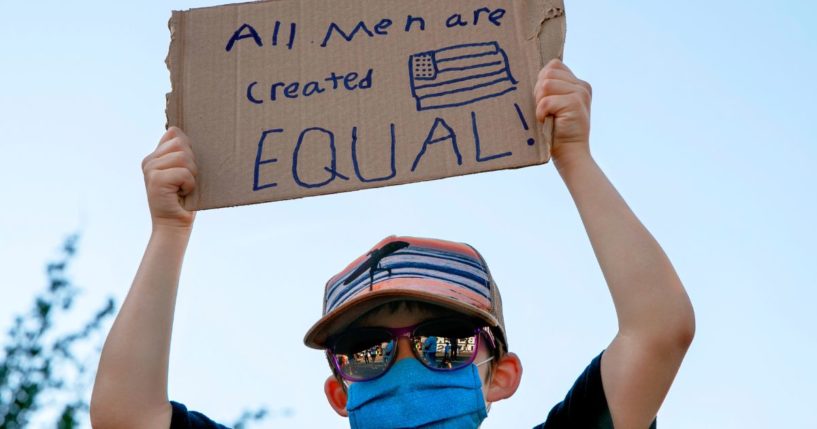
(410, 395)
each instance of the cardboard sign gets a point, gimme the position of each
(291, 98)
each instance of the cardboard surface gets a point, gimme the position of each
(290, 98)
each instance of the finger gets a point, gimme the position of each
(558, 70)
(177, 179)
(188, 183)
(555, 73)
(559, 64)
(180, 136)
(557, 87)
(556, 64)
(169, 134)
(587, 86)
(179, 159)
(554, 104)
(176, 144)
(173, 133)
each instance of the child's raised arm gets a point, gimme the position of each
(655, 317)
(130, 390)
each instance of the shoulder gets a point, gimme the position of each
(585, 405)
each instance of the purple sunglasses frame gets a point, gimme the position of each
(396, 333)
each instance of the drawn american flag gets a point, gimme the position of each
(459, 75)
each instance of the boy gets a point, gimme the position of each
(411, 296)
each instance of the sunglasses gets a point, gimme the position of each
(364, 354)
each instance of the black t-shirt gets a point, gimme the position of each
(584, 407)
(183, 419)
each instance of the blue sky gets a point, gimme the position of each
(703, 117)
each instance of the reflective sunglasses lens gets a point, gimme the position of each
(445, 345)
(363, 354)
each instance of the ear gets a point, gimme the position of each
(336, 395)
(505, 378)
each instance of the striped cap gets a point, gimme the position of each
(448, 274)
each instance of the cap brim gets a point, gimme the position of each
(340, 318)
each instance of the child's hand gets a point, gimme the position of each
(170, 174)
(559, 93)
